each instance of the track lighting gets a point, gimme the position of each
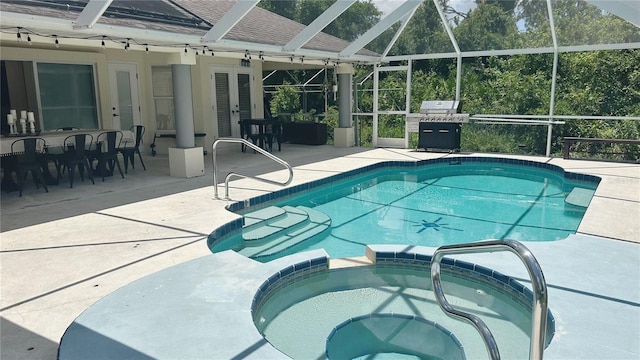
(56, 42)
(104, 45)
(29, 39)
(18, 35)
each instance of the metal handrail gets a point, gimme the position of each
(539, 285)
(231, 174)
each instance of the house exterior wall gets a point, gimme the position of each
(205, 118)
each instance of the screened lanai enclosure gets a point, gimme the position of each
(527, 73)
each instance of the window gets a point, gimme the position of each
(67, 96)
(163, 97)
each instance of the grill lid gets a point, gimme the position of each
(440, 107)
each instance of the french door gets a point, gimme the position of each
(125, 98)
(232, 90)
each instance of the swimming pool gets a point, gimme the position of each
(430, 203)
(389, 308)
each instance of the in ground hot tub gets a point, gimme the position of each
(317, 312)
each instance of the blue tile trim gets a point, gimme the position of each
(414, 164)
(466, 270)
(502, 284)
(223, 230)
(286, 276)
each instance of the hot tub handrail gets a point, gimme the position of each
(231, 174)
(539, 285)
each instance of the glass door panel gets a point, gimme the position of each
(223, 104)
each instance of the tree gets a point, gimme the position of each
(352, 23)
(487, 27)
(355, 21)
(423, 34)
(286, 100)
(282, 8)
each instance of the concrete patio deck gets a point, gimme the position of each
(60, 252)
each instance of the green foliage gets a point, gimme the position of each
(487, 27)
(424, 34)
(331, 119)
(285, 100)
(352, 23)
(588, 83)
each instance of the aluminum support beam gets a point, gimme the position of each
(91, 13)
(318, 25)
(403, 25)
(229, 20)
(380, 27)
(546, 50)
(626, 9)
(445, 22)
(553, 77)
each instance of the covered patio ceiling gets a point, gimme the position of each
(238, 28)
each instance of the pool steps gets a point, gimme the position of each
(272, 222)
(580, 197)
(257, 217)
(274, 229)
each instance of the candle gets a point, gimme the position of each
(14, 114)
(23, 114)
(10, 119)
(23, 125)
(30, 116)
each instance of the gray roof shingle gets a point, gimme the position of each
(259, 26)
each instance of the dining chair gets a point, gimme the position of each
(28, 153)
(249, 133)
(273, 132)
(128, 152)
(76, 155)
(106, 153)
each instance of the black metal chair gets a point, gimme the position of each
(248, 132)
(76, 155)
(106, 153)
(28, 153)
(128, 152)
(273, 132)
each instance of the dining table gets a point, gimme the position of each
(54, 146)
(261, 132)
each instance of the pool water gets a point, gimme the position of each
(437, 205)
(300, 319)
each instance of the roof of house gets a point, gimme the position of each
(189, 17)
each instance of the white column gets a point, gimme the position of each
(185, 160)
(183, 105)
(343, 135)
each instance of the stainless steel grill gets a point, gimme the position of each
(440, 111)
(439, 124)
